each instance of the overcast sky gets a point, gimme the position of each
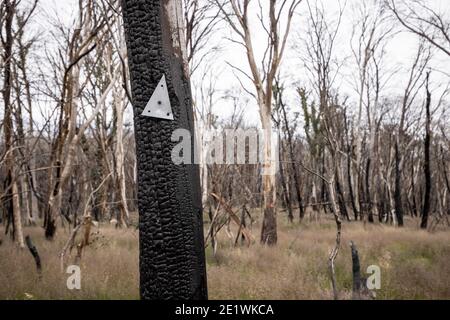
(399, 54)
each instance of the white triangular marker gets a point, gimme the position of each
(159, 104)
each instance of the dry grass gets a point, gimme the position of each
(414, 265)
(109, 268)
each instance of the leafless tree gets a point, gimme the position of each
(421, 19)
(278, 16)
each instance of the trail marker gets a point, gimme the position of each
(159, 104)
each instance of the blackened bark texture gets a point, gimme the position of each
(34, 253)
(172, 261)
(426, 164)
(349, 167)
(287, 198)
(398, 193)
(341, 198)
(356, 267)
(413, 191)
(298, 192)
(444, 166)
(368, 197)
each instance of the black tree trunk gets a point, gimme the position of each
(369, 205)
(290, 138)
(397, 193)
(427, 165)
(287, 198)
(172, 261)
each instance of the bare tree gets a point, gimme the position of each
(237, 14)
(78, 45)
(13, 21)
(426, 163)
(369, 36)
(8, 10)
(421, 19)
(201, 18)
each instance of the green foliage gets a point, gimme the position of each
(313, 123)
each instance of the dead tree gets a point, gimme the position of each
(427, 160)
(290, 141)
(34, 253)
(370, 34)
(356, 267)
(172, 260)
(11, 182)
(237, 14)
(421, 19)
(398, 188)
(68, 73)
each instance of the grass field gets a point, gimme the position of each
(414, 264)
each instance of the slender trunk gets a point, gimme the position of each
(63, 161)
(23, 150)
(286, 196)
(398, 192)
(120, 169)
(427, 164)
(368, 197)
(356, 272)
(350, 185)
(444, 166)
(203, 137)
(340, 195)
(31, 175)
(349, 168)
(12, 190)
(413, 191)
(356, 175)
(269, 226)
(334, 253)
(294, 163)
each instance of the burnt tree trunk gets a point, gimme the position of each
(356, 267)
(341, 198)
(34, 253)
(426, 165)
(172, 260)
(444, 166)
(294, 164)
(398, 192)
(413, 192)
(369, 205)
(349, 169)
(287, 198)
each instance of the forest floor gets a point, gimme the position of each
(414, 264)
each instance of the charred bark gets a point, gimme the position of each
(172, 261)
(34, 253)
(287, 198)
(426, 164)
(356, 267)
(369, 206)
(293, 162)
(397, 192)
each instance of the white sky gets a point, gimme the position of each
(399, 54)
